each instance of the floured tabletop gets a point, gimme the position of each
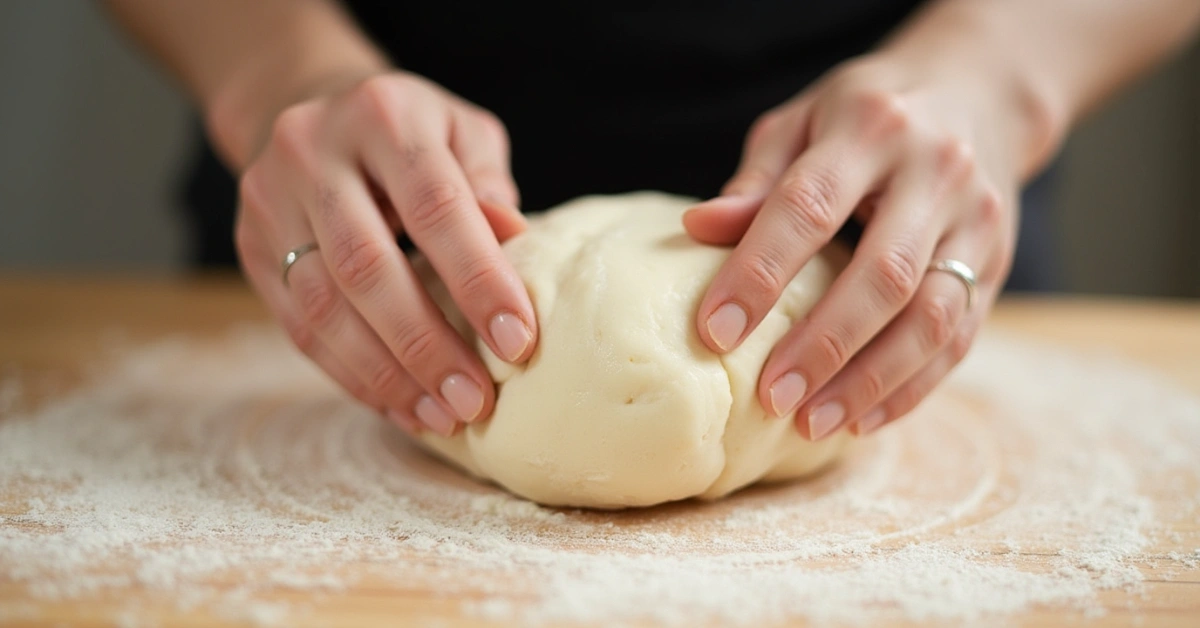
(167, 459)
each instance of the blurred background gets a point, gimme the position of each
(92, 141)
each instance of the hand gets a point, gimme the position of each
(926, 159)
(349, 170)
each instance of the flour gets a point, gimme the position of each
(1034, 478)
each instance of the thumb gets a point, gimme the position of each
(775, 140)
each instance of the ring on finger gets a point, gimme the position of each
(294, 255)
(960, 270)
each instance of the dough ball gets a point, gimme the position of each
(622, 404)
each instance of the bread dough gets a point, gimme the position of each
(622, 404)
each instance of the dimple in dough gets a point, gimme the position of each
(622, 404)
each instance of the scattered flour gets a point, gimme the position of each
(1036, 477)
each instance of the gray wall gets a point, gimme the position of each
(91, 136)
(1129, 201)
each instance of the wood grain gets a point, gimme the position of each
(50, 325)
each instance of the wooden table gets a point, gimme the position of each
(50, 324)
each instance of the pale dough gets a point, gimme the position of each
(622, 405)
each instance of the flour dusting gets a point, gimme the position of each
(1034, 478)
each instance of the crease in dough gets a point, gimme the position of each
(622, 404)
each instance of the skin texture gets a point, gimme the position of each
(359, 172)
(926, 140)
(336, 146)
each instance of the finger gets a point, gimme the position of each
(339, 325)
(479, 142)
(905, 398)
(313, 305)
(263, 274)
(880, 280)
(355, 343)
(385, 309)
(439, 212)
(907, 345)
(814, 197)
(774, 141)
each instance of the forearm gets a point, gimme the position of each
(245, 61)
(1057, 59)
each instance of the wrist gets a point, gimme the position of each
(970, 50)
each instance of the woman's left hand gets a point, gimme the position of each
(929, 160)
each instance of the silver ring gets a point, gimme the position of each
(294, 255)
(960, 270)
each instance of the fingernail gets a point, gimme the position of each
(510, 334)
(870, 421)
(786, 393)
(432, 415)
(410, 425)
(463, 395)
(824, 419)
(726, 325)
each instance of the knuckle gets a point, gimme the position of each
(251, 190)
(882, 114)
(960, 345)
(871, 385)
(379, 95)
(955, 159)
(811, 202)
(384, 377)
(764, 276)
(319, 302)
(358, 261)
(991, 207)
(292, 133)
(380, 100)
(833, 347)
(433, 206)
(938, 322)
(478, 275)
(493, 126)
(896, 274)
(416, 343)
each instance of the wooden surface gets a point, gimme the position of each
(50, 324)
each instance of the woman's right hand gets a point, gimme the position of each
(349, 171)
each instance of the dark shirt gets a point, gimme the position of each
(601, 97)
